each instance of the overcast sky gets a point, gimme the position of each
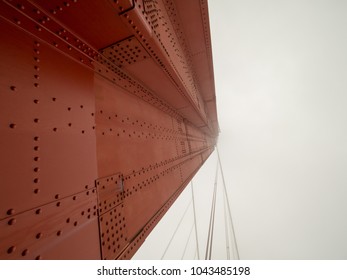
(281, 85)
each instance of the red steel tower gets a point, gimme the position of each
(107, 111)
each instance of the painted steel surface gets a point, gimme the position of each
(107, 111)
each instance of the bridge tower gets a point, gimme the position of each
(108, 110)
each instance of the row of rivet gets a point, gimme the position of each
(38, 211)
(94, 55)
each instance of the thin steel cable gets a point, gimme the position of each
(212, 214)
(212, 228)
(226, 226)
(209, 229)
(178, 225)
(229, 211)
(214, 210)
(185, 247)
(195, 223)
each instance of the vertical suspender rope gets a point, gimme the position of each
(214, 210)
(229, 211)
(209, 231)
(208, 253)
(195, 224)
(211, 225)
(195, 254)
(173, 235)
(185, 247)
(226, 226)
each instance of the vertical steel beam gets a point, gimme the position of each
(103, 123)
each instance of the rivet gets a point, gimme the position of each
(36, 148)
(38, 211)
(54, 99)
(38, 257)
(37, 44)
(12, 125)
(66, 4)
(38, 28)
(25, 252)
(12, 222)
(55, 129)
(55, 44)
(36, 191)
(37, 68)
(36, 169)
(36, 120)
(11, 211)
(11, 249)
(37, 77)
(36, 59)
(58, 204)
(58, 232)
(18, 22)
(38, 12)
(39, 235)
(13, 88)
(36, 138)
(53, 12)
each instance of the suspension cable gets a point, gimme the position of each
(226, 226)
(212, 229)
(212, 214)
(185, 247)
(229, 211)
(178, 225)
(195, 254)
(195, 224)
(214, 211)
